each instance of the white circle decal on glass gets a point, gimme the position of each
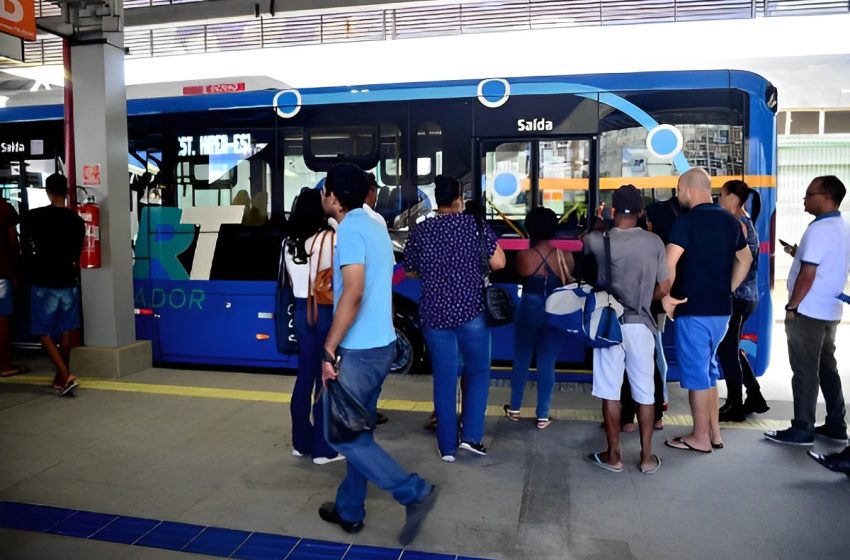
(665, 141)
(493, 92)
(287, 103)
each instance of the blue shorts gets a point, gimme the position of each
(697, 339)
(6, 297)
(54, 310)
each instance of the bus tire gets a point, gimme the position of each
(404, 354)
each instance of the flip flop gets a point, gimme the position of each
(717, 445)
(15, 370)
(684, 446)
(512, 415)
(68, 388)
(654, 469)
(598, 462)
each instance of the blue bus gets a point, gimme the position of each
(212, 178)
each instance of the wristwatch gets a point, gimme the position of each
(327, 357)
(791, 309)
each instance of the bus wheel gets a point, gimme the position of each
(404, 354)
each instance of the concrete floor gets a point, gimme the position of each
(224, 459)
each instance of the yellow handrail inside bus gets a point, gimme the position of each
(505, 218)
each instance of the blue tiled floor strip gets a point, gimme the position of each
(185, 537)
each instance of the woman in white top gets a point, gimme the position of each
(309, 252)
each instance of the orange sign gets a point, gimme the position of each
(91, 175)
(17, 17)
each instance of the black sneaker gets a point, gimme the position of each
(791, 436)
(477, 448)
(834, 435)
(415, 514)
(733, 414)
(755, 404)
(328, 513)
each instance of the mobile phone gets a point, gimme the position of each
(785, 243)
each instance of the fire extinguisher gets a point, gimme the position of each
(90, 213)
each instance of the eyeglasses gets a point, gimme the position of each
(810, 194)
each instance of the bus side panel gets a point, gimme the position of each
(223, 322)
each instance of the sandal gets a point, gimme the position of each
(512, 415)
(15, 370)
(543, 423)
(431, 423)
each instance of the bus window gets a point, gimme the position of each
(296, 173)
(625, 158)
(507, 180)
(563, 179)
(223, 170)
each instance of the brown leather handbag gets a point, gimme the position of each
(320, 290)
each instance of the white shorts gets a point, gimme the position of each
(636, 356)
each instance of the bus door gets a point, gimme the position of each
(518, 174)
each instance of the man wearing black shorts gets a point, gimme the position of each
(51, 241)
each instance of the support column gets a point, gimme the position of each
(100, 129)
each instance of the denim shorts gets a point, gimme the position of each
(6, 297)
(697, 338)
(54, 310)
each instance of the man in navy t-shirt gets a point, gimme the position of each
(708, 258)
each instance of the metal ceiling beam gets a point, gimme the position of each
(222, 11)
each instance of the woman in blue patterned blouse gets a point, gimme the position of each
(445, 252)
(736, 368)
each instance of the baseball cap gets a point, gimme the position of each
(627, 200)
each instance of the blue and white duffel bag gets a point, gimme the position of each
(580, 309)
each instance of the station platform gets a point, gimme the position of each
(201, 461)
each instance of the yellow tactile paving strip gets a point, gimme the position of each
(574, 414)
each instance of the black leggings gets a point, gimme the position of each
(629, 406)
(734, 363)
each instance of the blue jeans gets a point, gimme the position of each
(362, 372)
(530, 334)
(473, 339)
(307, 438)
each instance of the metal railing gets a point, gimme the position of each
(421, 21)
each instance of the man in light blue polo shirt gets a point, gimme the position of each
(361, 341)
(815, 282)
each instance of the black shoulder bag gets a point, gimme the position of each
(284, 312)
(498, 304)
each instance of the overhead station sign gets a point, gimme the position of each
(17, 17)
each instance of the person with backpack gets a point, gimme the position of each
(638, 274)
(309, 258)
(542, 268)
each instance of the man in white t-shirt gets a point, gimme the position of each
(372, 200)
(816, 281)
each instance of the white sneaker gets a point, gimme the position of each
(326, 460)
(448, 458)
(296, 453)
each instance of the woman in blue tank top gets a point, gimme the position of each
(542, 268)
